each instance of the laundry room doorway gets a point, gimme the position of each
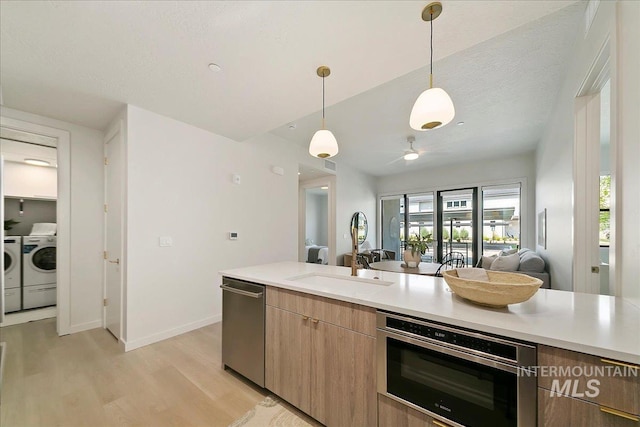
(35, 208)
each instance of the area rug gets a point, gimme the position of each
(270, 413)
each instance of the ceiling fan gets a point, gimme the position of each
(412, 154)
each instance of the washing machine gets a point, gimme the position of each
(38, 271)
(12, 273)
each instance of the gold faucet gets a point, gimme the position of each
(354, 251)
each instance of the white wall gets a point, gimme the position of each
(317, 219)
(628, 70)
(554, 157)
(355, 191)
(507, 170)
(86, 218)
(23, 180)
(180, 185)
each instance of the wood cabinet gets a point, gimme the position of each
(318, 360)
(395, 414)
(555, 411)
(611, 399)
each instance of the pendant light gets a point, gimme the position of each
(323, 144)
(434, 107)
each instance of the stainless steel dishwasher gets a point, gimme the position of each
(243, 317)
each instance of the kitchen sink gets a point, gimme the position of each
(342, 284)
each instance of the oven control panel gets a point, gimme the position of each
(456, 338)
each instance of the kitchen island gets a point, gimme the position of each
(324, 353)
(594, 324)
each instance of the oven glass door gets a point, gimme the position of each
(466, 392)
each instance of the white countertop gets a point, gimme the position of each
(601, 325)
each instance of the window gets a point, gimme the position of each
(501, 218)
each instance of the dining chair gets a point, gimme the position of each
(451, 260)
(363, 260)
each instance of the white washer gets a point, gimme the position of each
(39, 271)
(12, 273)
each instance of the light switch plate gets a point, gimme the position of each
(166, 241)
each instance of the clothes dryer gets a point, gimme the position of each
(12, 273)
(39, 271)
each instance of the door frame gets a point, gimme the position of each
(329, 181)
(586, 159)
(63, 220)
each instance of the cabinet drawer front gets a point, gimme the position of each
(618, 388)
(394, 414)
(285, 299)
(562, 411)
(356, 317)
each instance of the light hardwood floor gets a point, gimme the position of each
(85, 380)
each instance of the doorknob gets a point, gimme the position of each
(117, 261)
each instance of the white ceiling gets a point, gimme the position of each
(503, 90)
(81, 61)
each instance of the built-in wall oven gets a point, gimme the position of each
(458, 376)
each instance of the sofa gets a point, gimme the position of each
(524, 261)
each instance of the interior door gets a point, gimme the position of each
(113, 237)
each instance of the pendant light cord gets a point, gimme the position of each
(431, 55)
(323, 100)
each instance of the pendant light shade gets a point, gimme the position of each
(323, 144)
(434, 107)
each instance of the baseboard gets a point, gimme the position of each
(29, 316)
(160, 336)
(85, 326)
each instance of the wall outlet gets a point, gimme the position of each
(166, 241)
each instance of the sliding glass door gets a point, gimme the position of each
(393, 224)
(458, 216)
(473, 221)
(420, 221)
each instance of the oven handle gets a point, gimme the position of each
(382, 334)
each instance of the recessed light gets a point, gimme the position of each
(215, 67)
(460, 123)
(299, 173)
(324, 188)
(36, 162)
(292, 126)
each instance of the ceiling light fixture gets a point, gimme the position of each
(215, 67)
(433, 108)
(323, 144)
(324, 187)
(36, 162)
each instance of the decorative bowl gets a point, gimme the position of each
(502, 289)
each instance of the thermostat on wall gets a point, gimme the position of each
(233, 235)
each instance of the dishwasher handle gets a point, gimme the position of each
(240, 291)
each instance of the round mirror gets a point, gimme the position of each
(359, 223)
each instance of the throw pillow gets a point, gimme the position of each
(508, 251)
(486, 261)
(530, 261)
(506, 263)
